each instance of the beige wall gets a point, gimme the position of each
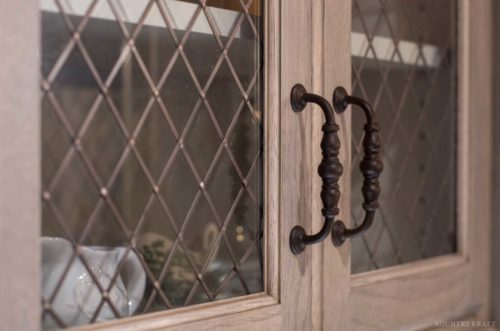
(496, 159)
(19, 166)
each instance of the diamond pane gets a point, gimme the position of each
(103, 137)
(151, 156)
(220, 266)
(130, 92)
(53, 43)
(180, 95)
(179, 199)
(201, 49)
(105, 53)
(75, 103)
(131, 184)
(224, 185)
(155, 136)
(55, 138)
(404, 64)
(74, 195)
(155, 45)
(242, 230)
(202, 141)
(224, 108)
(199, 243)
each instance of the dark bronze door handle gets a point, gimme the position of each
(371, 166)
(329, 170)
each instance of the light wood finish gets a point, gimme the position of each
(480, 147)
(410, 296)
(416, 295)
(258, 307)
(495, 232)
(306, 42)
(337, 72)
(298, 169)
(272, 62)
(317, 69)
(464, 329)
(19, 166)
(287, 301)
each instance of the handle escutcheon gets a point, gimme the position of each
(371, 166)
(330, 170)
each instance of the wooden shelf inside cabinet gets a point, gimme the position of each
(180, 12)
(254, 8)
(408, 52)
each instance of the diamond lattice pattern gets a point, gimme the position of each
(404, 64)
(152, 156)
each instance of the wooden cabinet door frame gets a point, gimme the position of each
(306, 42)
(289, 300)
(451, 287)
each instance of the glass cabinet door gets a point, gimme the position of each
(404, 61)
(153, 167)
(151, 156)
(153, 122)
(424, 70)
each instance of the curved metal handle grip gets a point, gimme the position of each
(329, 170)
(371, 166)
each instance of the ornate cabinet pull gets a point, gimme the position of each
(329, 170)
(371, 166)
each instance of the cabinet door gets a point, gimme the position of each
(425, 68)
(153, 167)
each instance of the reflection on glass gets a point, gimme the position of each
(151, 165)
(404, 63)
